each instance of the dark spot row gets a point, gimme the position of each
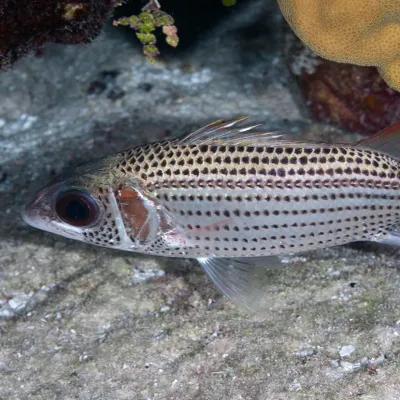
(258, 197)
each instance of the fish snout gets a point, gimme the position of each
(36, 209)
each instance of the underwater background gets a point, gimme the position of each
(77, 321)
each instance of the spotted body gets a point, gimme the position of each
(226, 191)
(237, 201)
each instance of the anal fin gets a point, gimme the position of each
(240, 279)
(392, 237)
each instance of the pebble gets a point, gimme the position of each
(306, 351)
(6, 313)
(348, 366)
(19, 302)
(346, 350)
(141, 275)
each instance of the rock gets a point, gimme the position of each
(349, 96)
(18, 303)
(15, 305)
(349, 367)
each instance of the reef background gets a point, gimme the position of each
(78, 321)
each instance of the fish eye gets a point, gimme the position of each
(76, 208)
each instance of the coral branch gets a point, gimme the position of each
(146, 23)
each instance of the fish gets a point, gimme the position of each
(231, 195)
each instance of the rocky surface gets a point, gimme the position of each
(349, 96)
(80, 322)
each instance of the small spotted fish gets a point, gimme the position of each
(227, 195)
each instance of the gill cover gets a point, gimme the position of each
(139, 215)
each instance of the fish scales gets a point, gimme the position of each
(243, 200)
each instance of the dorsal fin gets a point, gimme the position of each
(387, 141)
(232, 132)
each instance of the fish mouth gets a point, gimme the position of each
(26, 215)
(30, 214)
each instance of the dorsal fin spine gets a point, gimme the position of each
(232, 132)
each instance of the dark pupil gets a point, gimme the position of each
(77, 210)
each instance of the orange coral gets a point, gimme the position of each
(353, 31)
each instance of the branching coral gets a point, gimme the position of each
(146, 23)
(26, 24)
(353, 31)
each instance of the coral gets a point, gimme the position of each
(353, 97)
(26, 24)
(353, 31)
(146, 23)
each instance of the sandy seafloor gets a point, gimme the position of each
(80, 322)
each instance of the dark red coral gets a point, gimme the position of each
(26, 24)
(352, 97)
